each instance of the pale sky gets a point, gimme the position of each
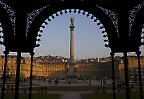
(88, 39)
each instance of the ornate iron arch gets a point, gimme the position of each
(136, 28)
(7, 28)
(59, 6)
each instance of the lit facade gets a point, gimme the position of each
(98, 70)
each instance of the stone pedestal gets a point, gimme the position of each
(71, 71)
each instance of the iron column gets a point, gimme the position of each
(126, 75)
(17, 75)
(4, 74)
(113, 75)
(31, 70)
(140, 75)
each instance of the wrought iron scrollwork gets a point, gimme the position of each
(11, 12)
(32, 15)
(132, 14)
(112, 15)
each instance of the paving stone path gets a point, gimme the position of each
(71, 96)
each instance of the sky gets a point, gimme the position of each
(88, 39)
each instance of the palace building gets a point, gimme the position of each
(57, 67)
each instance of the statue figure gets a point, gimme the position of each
(72, 21)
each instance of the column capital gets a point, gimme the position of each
(138, 53)
(112, 53)
(6, 52)
(32, 53)
(72, 28)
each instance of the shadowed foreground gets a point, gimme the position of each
(71, 96)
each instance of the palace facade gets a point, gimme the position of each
(56, 68)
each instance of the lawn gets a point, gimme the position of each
(34, 96)
(100, 92)
(75, 88)
(109, 96)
